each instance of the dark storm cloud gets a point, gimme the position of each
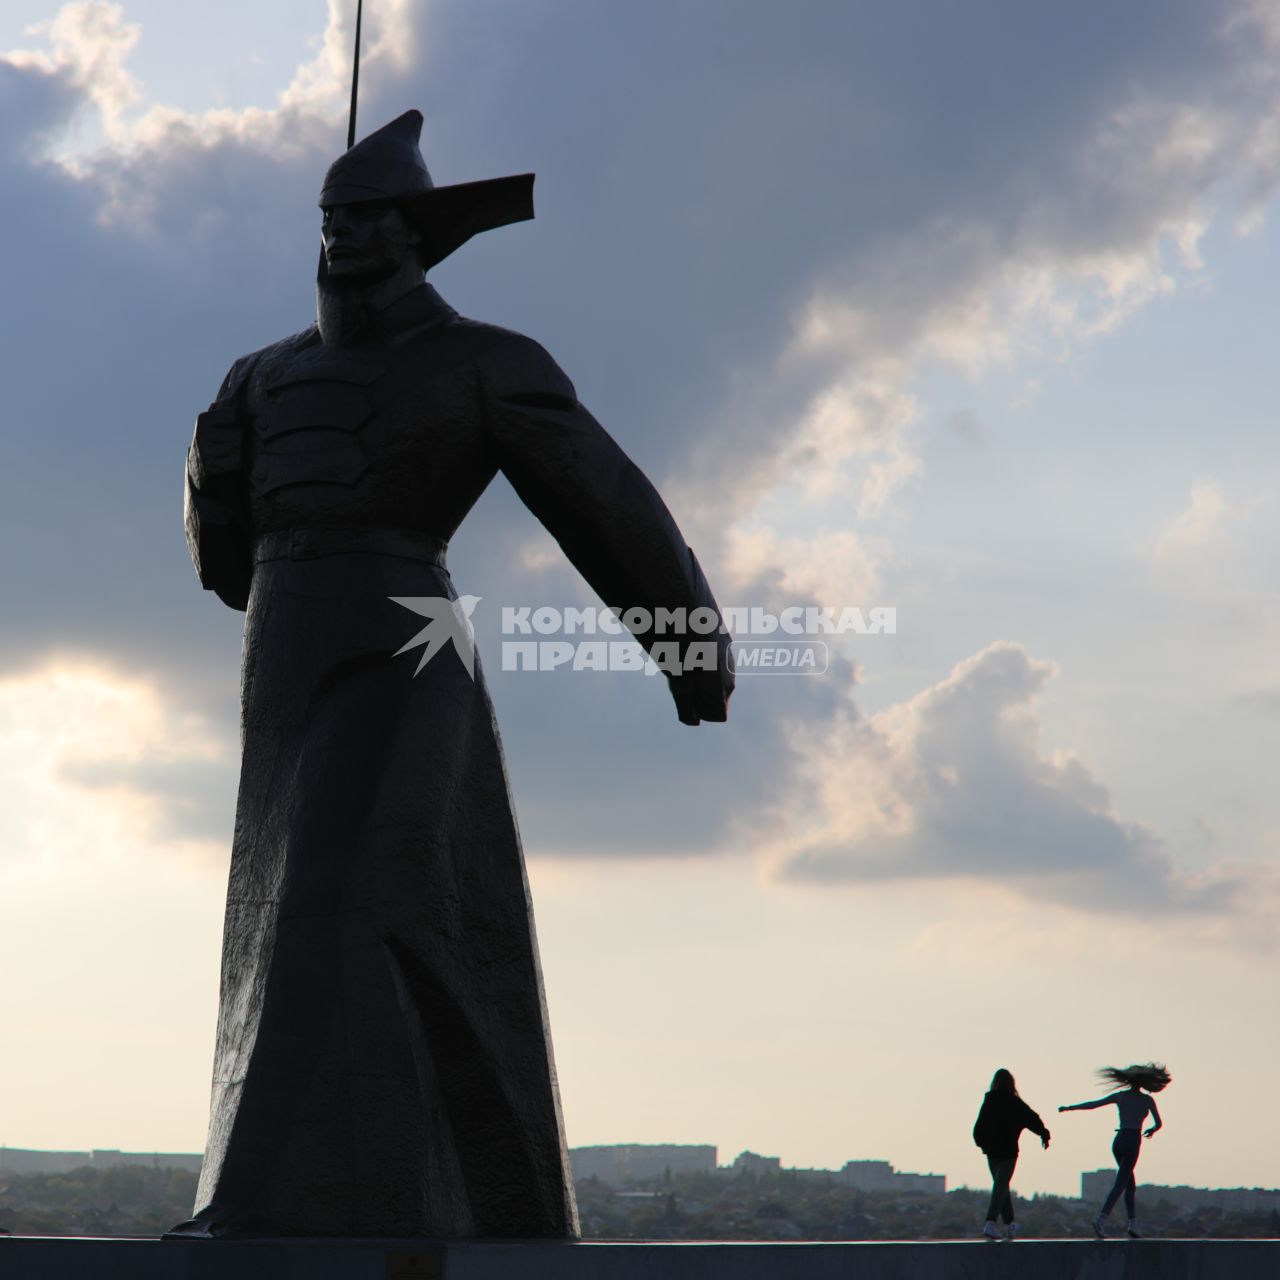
(714, 165)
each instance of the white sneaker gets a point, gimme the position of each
(991, 1231)
(1096, 1224)
(1011, 1231)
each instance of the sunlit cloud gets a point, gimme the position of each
(88, 44)
(955, 785)
(1024, 269)
(833, 570)
(1196, 528)
(98, 767)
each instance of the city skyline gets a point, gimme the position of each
(962, 311)
(635, 1163)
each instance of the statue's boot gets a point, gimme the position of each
(215, 1222)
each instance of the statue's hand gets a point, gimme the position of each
(700, 695)
(215, 504)
(217, 451)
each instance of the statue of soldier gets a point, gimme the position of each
(383, 1063)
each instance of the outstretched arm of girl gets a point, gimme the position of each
(1089, 1106)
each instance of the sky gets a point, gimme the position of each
(962, 310)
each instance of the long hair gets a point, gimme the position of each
(1151, 1076)
(1002, 1082)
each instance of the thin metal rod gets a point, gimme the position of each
(355, 78)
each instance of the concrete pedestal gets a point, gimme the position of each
(32, 1258)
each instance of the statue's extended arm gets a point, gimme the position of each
(215, 503)
(601, 509)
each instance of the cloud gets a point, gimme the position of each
(89, 44)
(1197, 528)
(1075, 213)
(389, 46)
(833, 570)
(953, 784)
(99, 766)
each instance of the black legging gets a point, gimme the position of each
(1001, 1205)
(1126, 1149)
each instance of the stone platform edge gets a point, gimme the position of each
(78, 1258)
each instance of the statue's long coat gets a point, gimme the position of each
(383, 1064)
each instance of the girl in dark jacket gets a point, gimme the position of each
(1001, 1120)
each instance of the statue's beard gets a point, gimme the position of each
(343, 308)
(346, 308)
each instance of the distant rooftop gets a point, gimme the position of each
(21, 1160)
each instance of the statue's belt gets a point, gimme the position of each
(312, 544)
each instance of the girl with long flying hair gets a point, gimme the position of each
(1133, 1104)
(1000, 1122)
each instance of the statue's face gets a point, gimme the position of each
(366, 241)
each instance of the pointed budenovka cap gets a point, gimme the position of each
(388, 165)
